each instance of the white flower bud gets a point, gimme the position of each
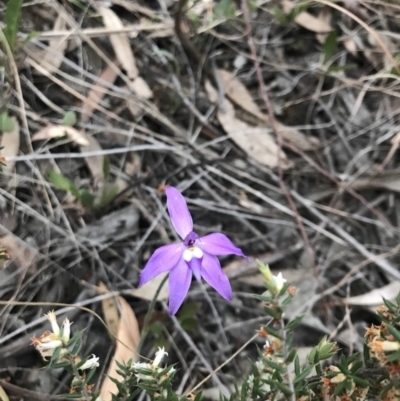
(279, 282)
(66, 331)
(51, 316)
(49, 345)
(159, 356)
(92, 362)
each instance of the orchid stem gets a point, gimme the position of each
(145, 328)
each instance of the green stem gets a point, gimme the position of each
(145, 328)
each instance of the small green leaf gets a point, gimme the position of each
(356, 367)
(63, 183)
(106, 168)
(294, 323)
(330, 46)
(312, 356)
(30, 36)
(390, 305)
(292, 354)
(6, 123)
(12, 17)
(395, 356)
(225, 9)
(297, 365)
(280, 386)
(273, 332)
(340, 387)
(69, 119)
(77, 346)
(55, 355)
(361, 382)
(86, 197)
(303, 374)
(394, 332)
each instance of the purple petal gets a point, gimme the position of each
(180, 278)
(212, 272)
(195, 266)
(181, 218)
(162, 260)
(219, 244)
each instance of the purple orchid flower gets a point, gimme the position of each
(194, 256)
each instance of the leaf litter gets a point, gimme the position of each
(342, 111)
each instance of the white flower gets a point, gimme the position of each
(51, 316)
(279, 282)
(66, 330)
(92, 362)
(250, 382)
(49, 344)
(159, 356)
(141, 365)
(260, 366)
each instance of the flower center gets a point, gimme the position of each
(191, 252)
(191, 239)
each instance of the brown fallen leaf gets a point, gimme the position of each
(97, 93)
(257, 142)
(59, 131)
(128, 337)
(110, 312)
(120, 42)
(240, 96)
(307, 20)
(94, 163)
(3, 395)
(123, 52)
(57, 47)
(374, 297)
(10, 141)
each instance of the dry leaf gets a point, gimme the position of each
(110, 312)
(255, 141)
(59, 131)
(241, 97)
(120, 42)
(94, 163)
(374, 297)
(389, 180)
(20, 252)
(97, 93)
(123, 52)
(10, 142)
(128, 338)
(57, 47)
(307, 20)
(239, 94)
(148, 291)
(3, 395)
(140, 87)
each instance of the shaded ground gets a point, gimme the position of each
(314, 193)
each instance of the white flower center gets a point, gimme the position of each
(188, 253)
